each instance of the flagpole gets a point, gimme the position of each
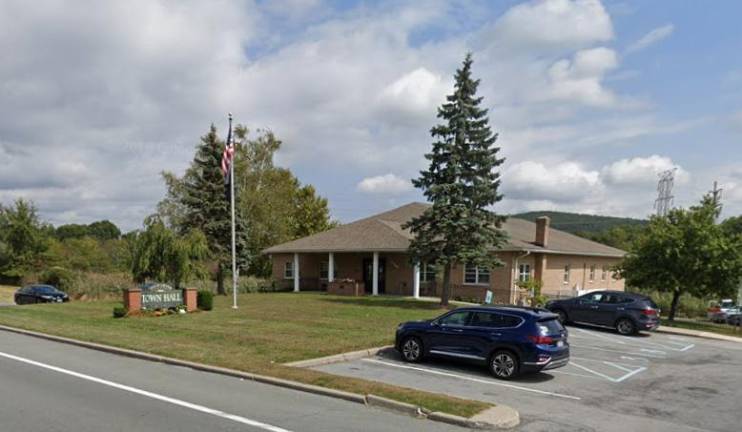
(231, 196)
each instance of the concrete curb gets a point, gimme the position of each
(696, 333)
(368, 400)
(337, 358)
(382, 402)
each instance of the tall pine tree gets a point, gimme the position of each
(461, 183)
(204, 206)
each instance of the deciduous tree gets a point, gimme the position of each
(685, 252)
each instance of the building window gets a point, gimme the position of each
(427, 272)
(324, 270)
(288, 270)
(566, 274)
(592, 272)
(476, 275)
(524, 272)
(603, 274)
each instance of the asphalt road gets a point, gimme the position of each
(48, 386)
(654, 382)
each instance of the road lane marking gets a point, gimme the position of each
(170, 400)
(468, 378)
(688, 347)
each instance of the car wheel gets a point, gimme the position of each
(412, 350)
(504, 364)
(626, 327)
(562, 316)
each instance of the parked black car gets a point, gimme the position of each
(40, 294)
(628, 313)
(510, 340)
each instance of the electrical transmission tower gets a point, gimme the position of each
(716, 197)
(663, 203)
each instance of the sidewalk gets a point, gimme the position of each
(701, 334)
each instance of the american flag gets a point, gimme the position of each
(228, 154)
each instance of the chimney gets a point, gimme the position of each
(542, 231)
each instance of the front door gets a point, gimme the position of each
(368, 271)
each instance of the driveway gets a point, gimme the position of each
(654, 382)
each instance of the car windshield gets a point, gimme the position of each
(727, 304)
(549, 326)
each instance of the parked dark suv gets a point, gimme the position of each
(628, 313)
(510, 340)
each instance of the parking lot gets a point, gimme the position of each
(655, 382)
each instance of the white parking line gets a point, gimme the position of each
(687, 347)
(630, 374)
(633, 353)
(178, 402)
(610, 378)
(468, 378)
(598, 335)
(633, 341)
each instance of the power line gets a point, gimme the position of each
(664, 200)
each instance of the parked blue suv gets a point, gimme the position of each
(510, 340)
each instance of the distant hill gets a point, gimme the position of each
(577, 223)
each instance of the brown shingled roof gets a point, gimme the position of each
(383, 233)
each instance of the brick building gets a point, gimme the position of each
(373, 252)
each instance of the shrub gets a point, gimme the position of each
(205, 300)
(59, 277)
(119, 312)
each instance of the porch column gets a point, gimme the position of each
(375, 277)
(416, 282)
(331, 267)
(296, 272)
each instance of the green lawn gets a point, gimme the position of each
(6, 293)
(267, 330)
(706, 326)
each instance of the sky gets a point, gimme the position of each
(591, 99)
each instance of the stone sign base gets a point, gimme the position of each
(347, 287)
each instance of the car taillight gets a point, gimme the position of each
(649, 312)
(541, 340)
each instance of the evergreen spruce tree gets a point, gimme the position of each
(206, 208)
(461, 183)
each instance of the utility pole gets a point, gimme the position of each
(663, 203)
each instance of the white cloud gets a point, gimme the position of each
(416, 93)
(651, 38)
(388, 184)
(580, 79)
(564, 24)
(556, 182)
(641, 171)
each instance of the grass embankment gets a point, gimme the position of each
(267, 330)
(706, 326)
(6, 293)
